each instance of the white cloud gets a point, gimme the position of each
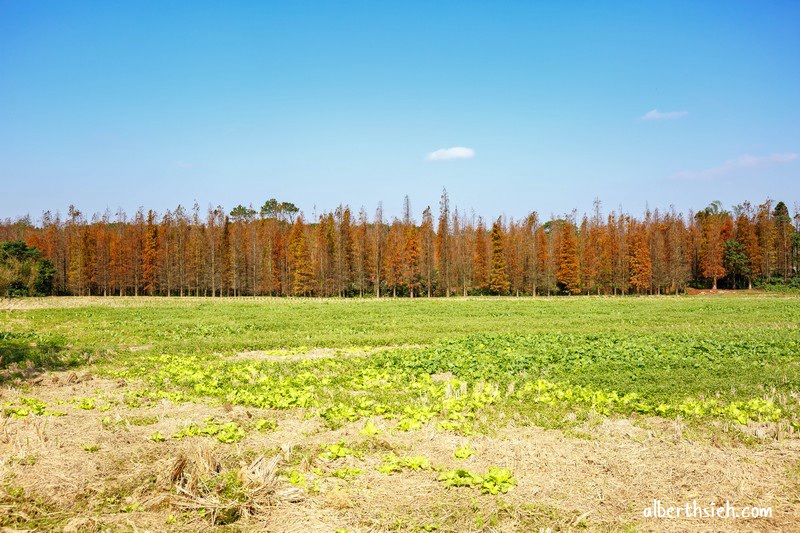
(655, 114)
(456, 152)
(745, 161)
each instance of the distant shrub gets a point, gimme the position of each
(779, 285)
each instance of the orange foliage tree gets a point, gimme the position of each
(300, 258)
(640, 264)
(498, 278)
(480, 280)
(568, 275)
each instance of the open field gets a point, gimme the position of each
(420, 415)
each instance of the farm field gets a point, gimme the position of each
(398, 414)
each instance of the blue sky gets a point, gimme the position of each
(121, 104)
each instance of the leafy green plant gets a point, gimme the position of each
(390, 464)
(463, 451)
(415, 462)
(30, 406)
(497, 480)
(370, 429)
(347, 472)
(337, 451)
(86, 403)
(414, 417)
(297, 478)
(132, 508)
(229, 432)
(265, 425)
(460, 478)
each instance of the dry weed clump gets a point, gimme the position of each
(203, 484)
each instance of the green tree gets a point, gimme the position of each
(23, 272)
(270, 209)
(735, 260)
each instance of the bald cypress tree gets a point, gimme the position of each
(302, 269)
(498, 278)
(640, 263)
(443, 245)
(150, 254)
(480, 260)
(568, 274)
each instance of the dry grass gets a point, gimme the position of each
(71, 302)
(602, 478)
(315, 353)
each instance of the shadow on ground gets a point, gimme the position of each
(25, 360)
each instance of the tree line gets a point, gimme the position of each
(276, 251)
